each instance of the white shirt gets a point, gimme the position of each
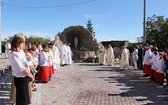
(147, 58)
(160, 65)
(17, 61)
(44, 59)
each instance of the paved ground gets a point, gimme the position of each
(91, 84)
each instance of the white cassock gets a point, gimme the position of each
(135, 57)
(35, 58)
(102, 56)
(54, 56)
(69, 55)
(110, 56)
(57, 60)
(7, 49)
(124, 63)
(160, 70)
(147, 62)
(44, 70)
(63, 54)
(160, 65)
(153, 60)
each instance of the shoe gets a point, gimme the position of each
(145, 75)
(160, 83)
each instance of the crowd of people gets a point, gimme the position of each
(150, 59)
(155, 64)
(32, 62)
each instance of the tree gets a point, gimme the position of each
(157, 31)
(31, 39)
(90, 27)
(58, 34)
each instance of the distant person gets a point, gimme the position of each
(140, 56)
(7, 49)
(135, 57)
(124, 64)
(166, 71)
(63, 52)
(76, 42)
(160, 67)
(110, 55)
(146, 60)
(102, 55)
(69, 54)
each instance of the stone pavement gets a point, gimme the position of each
(5, 81)
(91, 84)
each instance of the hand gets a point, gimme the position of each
(36, 71)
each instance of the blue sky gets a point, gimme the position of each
(112, 19)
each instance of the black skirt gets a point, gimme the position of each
(22, 91)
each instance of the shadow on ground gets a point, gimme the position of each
(5, 85)
(134, 85)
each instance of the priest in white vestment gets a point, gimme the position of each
(110, 55)
(69, 54)
(54, 56)
(7, 49)
(57, 55)
(102, 55)
(124, 63)
(63, 53)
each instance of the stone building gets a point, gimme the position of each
(84, 39)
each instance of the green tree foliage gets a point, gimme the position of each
(90, 27)
(31, 39)
(59, 34)
(157, 31)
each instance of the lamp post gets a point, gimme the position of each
(144, 23)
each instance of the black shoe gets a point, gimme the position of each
(160, 83)
(62, 65)
(145, 75)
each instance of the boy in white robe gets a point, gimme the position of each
(160, 67)
(63, 53)
(146, 61)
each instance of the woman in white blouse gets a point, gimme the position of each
(20, 70)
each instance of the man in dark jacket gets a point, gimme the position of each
(140, 56)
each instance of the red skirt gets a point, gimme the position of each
(51, 71)
(43, 74)
(161, 77)
(156, 75)
(152, 72)
(146, 69)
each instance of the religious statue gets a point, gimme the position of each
(58, 41)
(76, 42)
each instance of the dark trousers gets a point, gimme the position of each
(167, 78)
(22, 91)
(139, 63)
